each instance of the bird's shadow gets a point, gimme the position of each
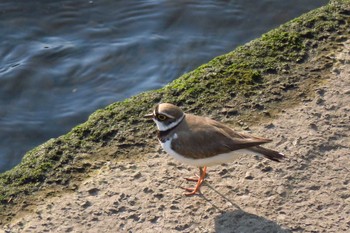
(239, 221)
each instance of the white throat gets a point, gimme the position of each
(162, 127)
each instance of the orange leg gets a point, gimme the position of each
(202, 174)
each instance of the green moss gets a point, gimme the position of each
(259, 77)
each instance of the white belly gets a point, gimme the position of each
(215, 160)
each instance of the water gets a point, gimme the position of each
(62, 60)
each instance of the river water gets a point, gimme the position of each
(62, 60)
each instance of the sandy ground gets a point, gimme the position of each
(308, 192)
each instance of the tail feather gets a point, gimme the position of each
(268, 153)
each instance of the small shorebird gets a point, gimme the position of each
(202, 142)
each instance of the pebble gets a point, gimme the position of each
(281, 190)
(248, 176)
(270, 126)
(86, 204)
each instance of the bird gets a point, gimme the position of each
(203, 142)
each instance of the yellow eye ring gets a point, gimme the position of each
(161, 117)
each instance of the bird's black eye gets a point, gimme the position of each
(161, 117)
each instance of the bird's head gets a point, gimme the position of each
(166, 116)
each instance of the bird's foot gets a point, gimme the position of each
(193, 179)
(199, 180)
(191, 191)
(195, 190)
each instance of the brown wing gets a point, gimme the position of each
(211, 138)
(234, 134)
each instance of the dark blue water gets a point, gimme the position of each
(62, 60)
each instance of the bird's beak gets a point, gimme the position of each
(148, 116)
